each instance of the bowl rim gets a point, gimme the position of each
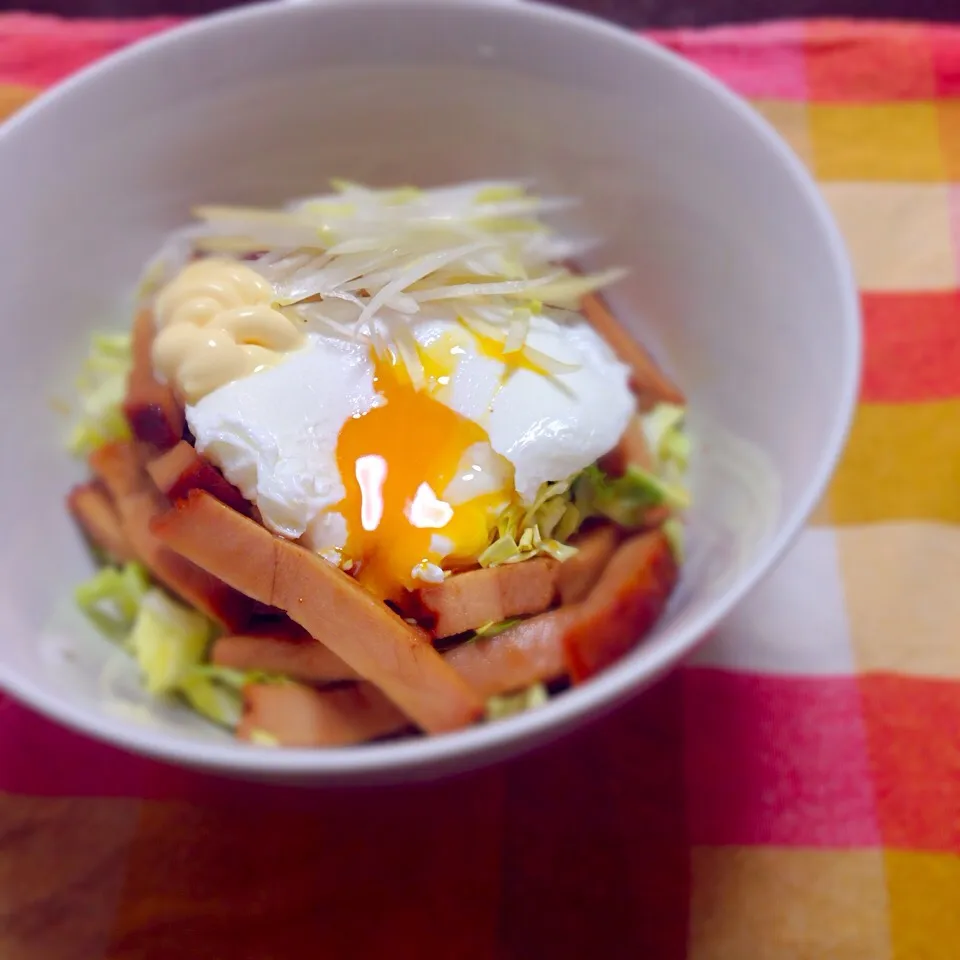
(469, 748)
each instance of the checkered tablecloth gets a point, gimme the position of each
(793, 792)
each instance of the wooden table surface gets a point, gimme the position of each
(576, 850)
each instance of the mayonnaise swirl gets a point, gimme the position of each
(216, 323)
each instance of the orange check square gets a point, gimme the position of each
(924, 891)
(902, 462)
(847, 66)
(889, 141)
(13, 97)
(948, 114)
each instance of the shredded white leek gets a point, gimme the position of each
(364, 263)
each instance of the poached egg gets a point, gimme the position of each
(338, 448)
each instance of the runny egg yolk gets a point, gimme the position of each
(395, 461)
(441, 356)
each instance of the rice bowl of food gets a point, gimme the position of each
(428, 431)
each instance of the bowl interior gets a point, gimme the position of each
(737, 281)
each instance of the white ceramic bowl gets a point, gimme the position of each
(739, 281)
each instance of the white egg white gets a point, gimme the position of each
(548, 428)
(274, 434)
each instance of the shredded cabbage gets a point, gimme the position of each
(676, 449)
(167, 639)
(506, 549)
(111, 598)
(543, 527)
(500, 551)
(262, 738)
(674, 532)
(664, 430)
(539, 529)
(216, 692)
(559, 551)
(626, 500)
(102, 385)
(569, 523)
(510, 704)
(494, 628)
(212, 699)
